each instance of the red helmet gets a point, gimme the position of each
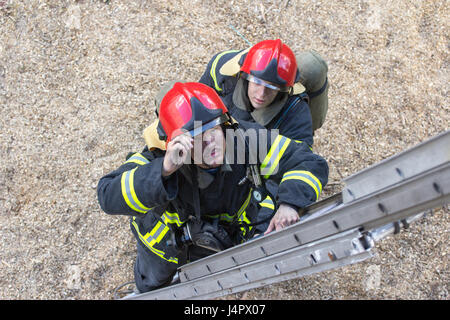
(272, 61)
(190, 104)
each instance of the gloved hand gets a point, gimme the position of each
(208, 235)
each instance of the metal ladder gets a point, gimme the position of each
(337, 231)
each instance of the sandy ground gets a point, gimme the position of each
(77, 81)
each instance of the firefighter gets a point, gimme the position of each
(263, 84)
(194, 198)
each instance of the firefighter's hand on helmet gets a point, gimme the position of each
(178, 149)
(285, 216)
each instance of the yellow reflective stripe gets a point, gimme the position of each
(222, 216)
(161, 229)
(274, 155)
(243, 218)
(306, 177)
(267, 203)
(242, 215)
(271, 151)
(139, 162)
(169, 217)
(128, 192)
(138, 159)
(162, 234)
(150, 245)
(307, 174)
(245, 204)
(308, 182)
(226, 217)
(299, 141)
(212, 72)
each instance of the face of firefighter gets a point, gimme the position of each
(260, 96)
(212, 146)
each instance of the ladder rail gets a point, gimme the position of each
(420, 158)
(379, 210)
(341, 249)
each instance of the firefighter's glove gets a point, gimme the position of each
(208, 235)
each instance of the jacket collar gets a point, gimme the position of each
(204, 178)
(261, 116)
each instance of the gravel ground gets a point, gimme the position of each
(77, 81)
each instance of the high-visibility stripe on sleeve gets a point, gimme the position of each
(157, 233)
(212, 72)
(267, 203)
(169, 217)
(155, 236)
(138, 159)
(306, 177)
(129, 194)
(274, 155)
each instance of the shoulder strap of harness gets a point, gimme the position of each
(301, 97)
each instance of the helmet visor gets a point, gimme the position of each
(200, 127)
(267, 84)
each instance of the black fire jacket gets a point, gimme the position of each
(160, 205)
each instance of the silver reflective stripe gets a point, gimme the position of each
(138, 159)
(274, 155)
(306, 177)
(129, 193)
(169, 217)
